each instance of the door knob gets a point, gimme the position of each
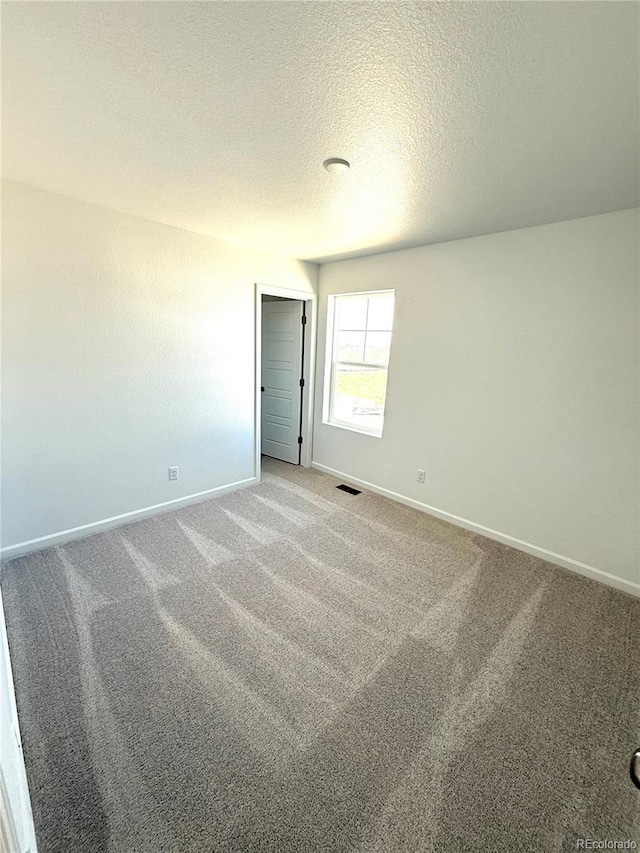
(262, 389)
(635, 768)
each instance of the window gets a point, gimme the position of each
(358, 342)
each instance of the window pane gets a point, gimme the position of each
(358, 396)
(358, 343)
(352, 312)
(349, 346)
(381, 313)
(377, 349)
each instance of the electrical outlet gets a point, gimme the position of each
(421, 475)
(173, 473)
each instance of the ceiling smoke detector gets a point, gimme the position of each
(336, 164)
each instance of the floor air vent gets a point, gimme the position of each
(348, 489)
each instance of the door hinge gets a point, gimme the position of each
(302, 383)
(299, 439)
(304, 320)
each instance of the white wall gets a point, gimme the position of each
(127, 346)
(513, 382)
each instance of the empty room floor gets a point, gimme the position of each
(293, 668)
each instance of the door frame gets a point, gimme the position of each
(309, 367)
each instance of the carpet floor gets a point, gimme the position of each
(293, 668)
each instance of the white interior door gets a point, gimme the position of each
(282, 336)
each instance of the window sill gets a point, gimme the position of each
(353, 428)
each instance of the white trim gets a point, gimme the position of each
(527, 547)
(328, 358)
(352, 428)
(310, 299)
(118, 520)
(14, 828)
(8, 833)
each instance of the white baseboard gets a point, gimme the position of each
(527, 547)
(117, 520)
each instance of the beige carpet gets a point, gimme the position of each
(292, 668)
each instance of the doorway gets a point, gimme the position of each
(282, 377)
(285, 330)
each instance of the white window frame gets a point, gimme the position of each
(330, 364)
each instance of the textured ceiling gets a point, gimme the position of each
(458, 118)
